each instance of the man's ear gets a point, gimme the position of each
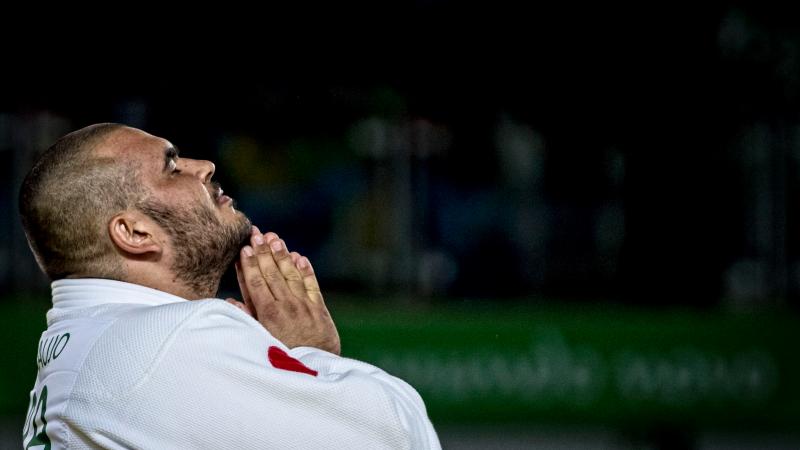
(135, 233)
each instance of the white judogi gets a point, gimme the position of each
(125, 366)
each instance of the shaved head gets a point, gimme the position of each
(110, 201)
(67, 199)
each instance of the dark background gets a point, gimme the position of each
(661, 161)
(442, 153)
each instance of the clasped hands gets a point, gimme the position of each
(280, 290)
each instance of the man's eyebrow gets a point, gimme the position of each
(170, 153)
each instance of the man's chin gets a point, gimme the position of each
(241, 226)
(245, 229)
(227, 212)
(236, 236)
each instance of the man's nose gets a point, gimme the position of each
(201, 168)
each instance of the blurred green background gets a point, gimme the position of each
(570, 228)
(655, 378)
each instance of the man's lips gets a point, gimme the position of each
(217, 194)
(220, 197)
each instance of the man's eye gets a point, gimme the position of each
(176, 171)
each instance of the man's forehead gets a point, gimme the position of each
(132, 143)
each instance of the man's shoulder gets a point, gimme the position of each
(149, 328)
(131, 347)
(157, 321)
(169, 313)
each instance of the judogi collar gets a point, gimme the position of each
(80, 293)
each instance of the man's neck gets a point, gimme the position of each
(183, 291)
(172, 285)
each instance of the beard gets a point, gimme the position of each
(204, 246)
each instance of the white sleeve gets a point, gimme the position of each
(408, 404)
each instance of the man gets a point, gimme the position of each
(138, 355)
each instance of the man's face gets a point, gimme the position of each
(204, 228)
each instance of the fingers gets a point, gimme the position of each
(283, 269)
(254, 282)
(286, 264)
(268, 266)
(309, 280)
(248, 302)
(295, 258)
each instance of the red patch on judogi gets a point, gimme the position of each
(280, 360)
